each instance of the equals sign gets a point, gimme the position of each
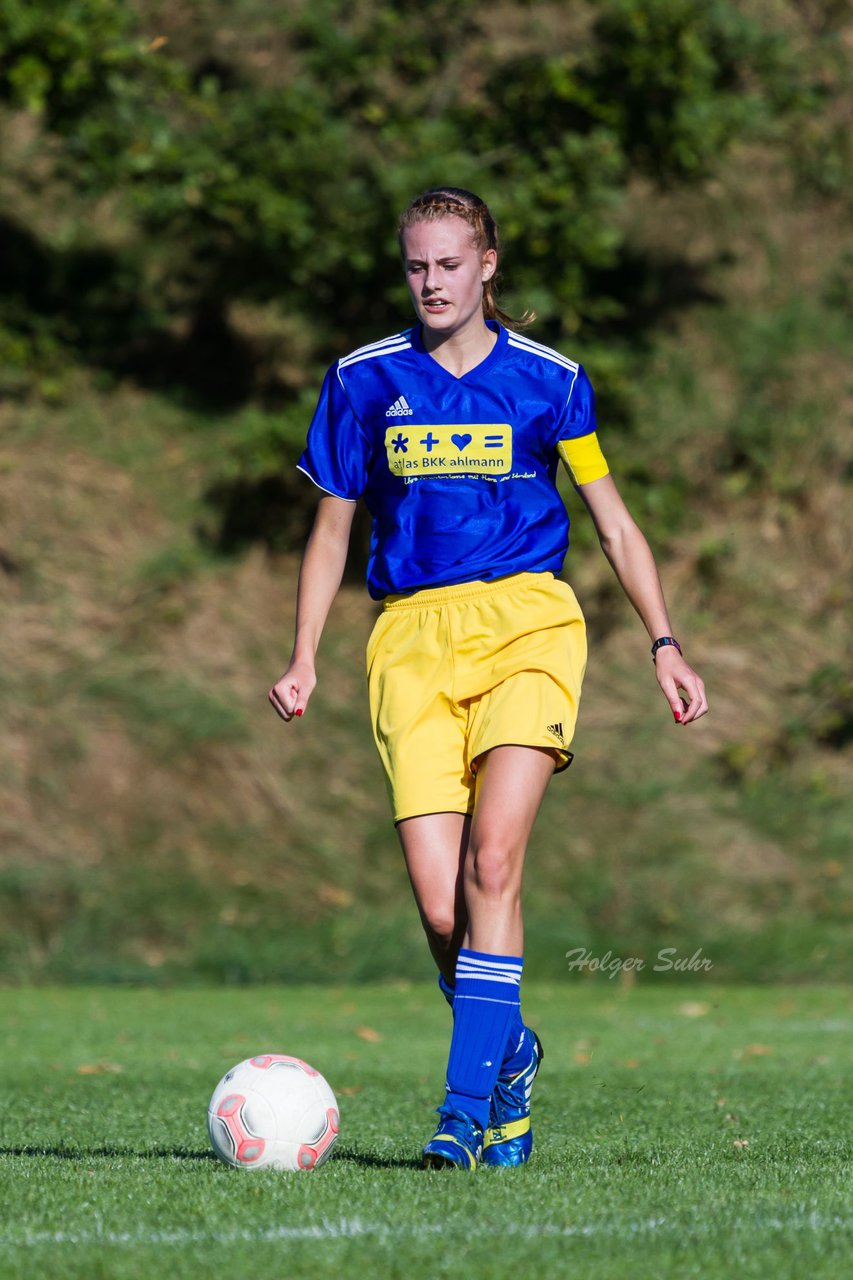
(494, 442)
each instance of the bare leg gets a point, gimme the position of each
(486, 1012)
(434, 846)
(511, 783)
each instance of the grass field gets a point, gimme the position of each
(682, 1130)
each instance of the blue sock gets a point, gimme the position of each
(485, 1003)
(446, 990)
(517, 1052)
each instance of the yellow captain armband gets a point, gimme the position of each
(583, 459)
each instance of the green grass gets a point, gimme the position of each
(682, 1130)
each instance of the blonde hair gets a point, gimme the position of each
(456, 202)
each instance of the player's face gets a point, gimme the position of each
(445, 272)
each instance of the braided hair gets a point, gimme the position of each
(456, 202)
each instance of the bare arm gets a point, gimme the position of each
(634, 565)
(319, 578)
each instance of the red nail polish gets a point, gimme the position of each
(299, 712)
(676, 714)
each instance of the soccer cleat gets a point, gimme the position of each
(509, 1137)
(457, 1142)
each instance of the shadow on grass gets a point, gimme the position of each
(346, 1155)
(349, 1155)
(90, 1153)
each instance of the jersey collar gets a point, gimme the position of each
(483, 367)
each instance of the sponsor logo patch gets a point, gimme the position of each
(480, 449)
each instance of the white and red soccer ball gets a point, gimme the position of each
(273, 1112)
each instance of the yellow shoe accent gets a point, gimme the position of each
(439, 1160)
(500, 1133)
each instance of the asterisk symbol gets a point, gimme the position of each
(401, 444)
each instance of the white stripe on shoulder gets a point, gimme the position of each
(397, 342)
(369, 346)
(371, 355)
(537, 349)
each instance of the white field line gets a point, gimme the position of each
(352, 1228)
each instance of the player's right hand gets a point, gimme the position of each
(289, 695)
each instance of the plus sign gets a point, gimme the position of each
(429, 440)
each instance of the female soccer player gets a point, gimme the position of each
(451, 431)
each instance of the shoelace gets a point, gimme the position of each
(459, 1126)
(502, 1087)
(504, 1094)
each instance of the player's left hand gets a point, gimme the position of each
(677, 677)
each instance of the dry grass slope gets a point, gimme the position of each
(156, 819)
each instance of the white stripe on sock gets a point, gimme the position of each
(491, 964)
(490, 1000)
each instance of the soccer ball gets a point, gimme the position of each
(273, 1112)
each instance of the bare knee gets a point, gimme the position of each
(493, 871)
(441, 924)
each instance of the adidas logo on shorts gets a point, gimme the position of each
(556, 731)
(399, 409)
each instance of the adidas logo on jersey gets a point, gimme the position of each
(399, 409)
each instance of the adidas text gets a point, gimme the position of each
(399, 409)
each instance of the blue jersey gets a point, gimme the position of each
(459, 474)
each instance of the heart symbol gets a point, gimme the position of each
(461, 442)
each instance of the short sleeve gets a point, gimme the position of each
(578, 446)
(578, 416)
(337, 452)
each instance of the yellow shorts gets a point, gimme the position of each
(455, 671)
